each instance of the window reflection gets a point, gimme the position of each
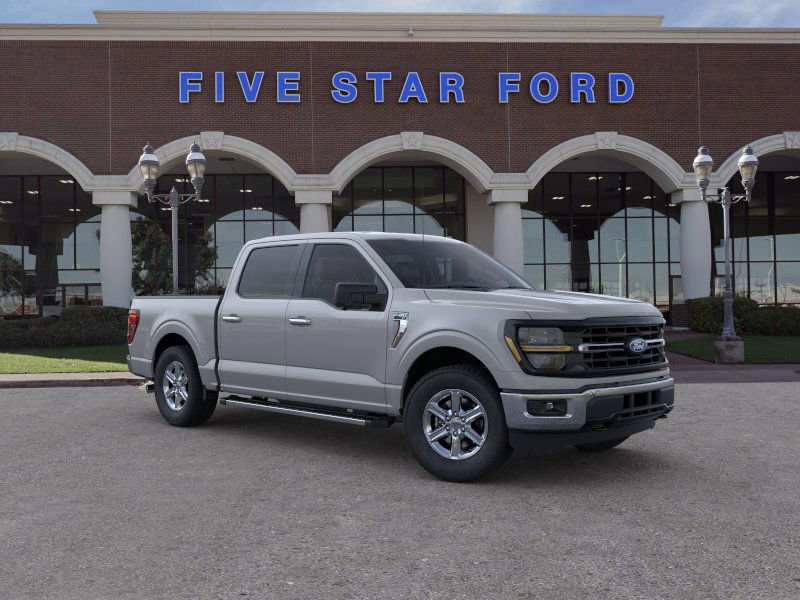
(610, 233)
(49, 245)
(426, 200)
(235, 209)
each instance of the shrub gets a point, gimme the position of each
(77, 326)
(706, 315)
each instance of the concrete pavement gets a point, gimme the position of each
(102, 499)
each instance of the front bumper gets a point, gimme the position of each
(591, 412)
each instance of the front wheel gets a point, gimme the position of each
(455, 425)
(180, 395)
(600, 446)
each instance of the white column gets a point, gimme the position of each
(695, 243)
(314, 210)
(116, 255)
(507, 241)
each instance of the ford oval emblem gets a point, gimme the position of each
(636, 345)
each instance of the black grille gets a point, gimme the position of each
(608, 410)
(597, 360)
(616, 359)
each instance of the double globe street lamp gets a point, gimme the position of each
(196, 165)
(729, 348)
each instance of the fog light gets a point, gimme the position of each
(547, 408)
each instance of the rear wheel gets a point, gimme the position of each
(455, 425)
(600, 446)
(180, 395)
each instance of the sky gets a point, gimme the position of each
(678, 13)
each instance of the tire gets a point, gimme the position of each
(600, 446)
(198, 403)
(476, 395)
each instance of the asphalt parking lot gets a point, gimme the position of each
(100, 498)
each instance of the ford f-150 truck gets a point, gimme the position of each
(373, 328)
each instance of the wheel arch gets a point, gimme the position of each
(441, 355)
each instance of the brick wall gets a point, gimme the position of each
(102, 101)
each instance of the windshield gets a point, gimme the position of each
(444, 265)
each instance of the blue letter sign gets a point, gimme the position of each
(615, 80)
(451, 83)
(250, 90)
(344, 89)
(188, 81)
(412, 88)
(288, 86)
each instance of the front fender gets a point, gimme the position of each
(443, 339)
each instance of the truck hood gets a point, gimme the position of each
(545, 304)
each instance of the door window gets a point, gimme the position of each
(269, 272)
(337, 263)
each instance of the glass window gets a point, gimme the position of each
(638, 195)
(397, 191)
(788, 282)
(640, 240)
(533, 239)
(555, 199)
(614, 279)
(762, 282)
(559, 277)
(332, 264)
(428, 189)
(367, 192)
(228, 192)
(57, 198)
(87, 245)
(229, 240)
(269, 272)
(10, 199)
(442, 264)
(610, 194)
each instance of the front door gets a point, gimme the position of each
(336, 357)
(252, 322)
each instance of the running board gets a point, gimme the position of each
(313, 413)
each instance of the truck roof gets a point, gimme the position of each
(353, 235)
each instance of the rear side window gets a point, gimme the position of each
(269, 272)
(337, 263)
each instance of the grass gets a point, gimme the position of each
(91, 359)
(758, 349)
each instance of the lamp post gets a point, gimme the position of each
(196, 165)
(703, 165)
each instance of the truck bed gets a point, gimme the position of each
(191, 317)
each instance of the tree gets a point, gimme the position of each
(152, 259)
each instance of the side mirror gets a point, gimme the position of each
(358, 295)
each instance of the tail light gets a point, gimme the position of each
(133, 323)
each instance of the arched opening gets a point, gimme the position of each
(241, 201)
(413, 183)
(412, 196)
(765, 233)
(49, 238)
(599, 224)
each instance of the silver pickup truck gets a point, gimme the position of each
(373, 328)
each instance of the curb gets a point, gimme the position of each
(98, 381)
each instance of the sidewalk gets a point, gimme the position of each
(46, 380)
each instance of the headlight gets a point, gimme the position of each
(544, 347)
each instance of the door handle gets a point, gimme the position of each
(231, 318)
(302, 321)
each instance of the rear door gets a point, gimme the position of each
(252, 321)
(336, 357)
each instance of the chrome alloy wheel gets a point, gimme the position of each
(455, 424)
(176, 385)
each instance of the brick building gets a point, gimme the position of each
(560, 144)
